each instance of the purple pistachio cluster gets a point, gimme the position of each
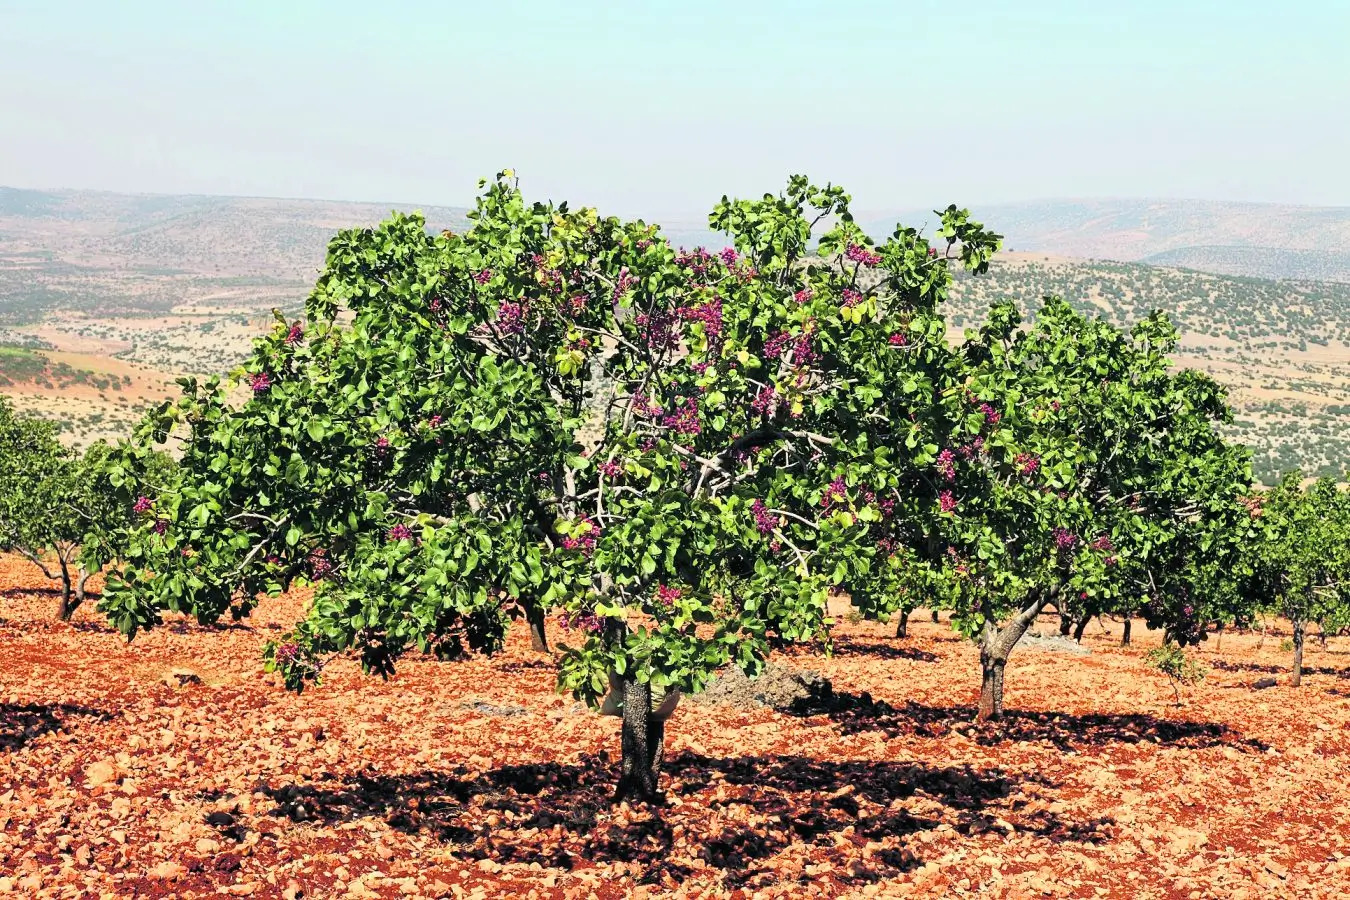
(1064, 539)
(946, 464)
(582, 622)
(765, 403)
(765, 521)
(683, 419)
(835, 492)
(510, 317)
(861, 255)
(585, 541)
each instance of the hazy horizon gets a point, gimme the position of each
(657, 111)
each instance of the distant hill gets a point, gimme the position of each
(125, 253)
(1261, 240)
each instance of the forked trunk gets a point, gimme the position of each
(1296, 678)
(538, 637)
(995, 645)
(643, 744)
(1125, 635)
(902, 627)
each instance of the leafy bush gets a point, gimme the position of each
(1172, 661)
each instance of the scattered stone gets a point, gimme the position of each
(1264, 683)
(100, 773)
(493, 709)
(780, 687)
(1055, 643)
(181, 678)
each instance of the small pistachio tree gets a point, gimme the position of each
(1081, 471)
(1301, 567)
(53, 505)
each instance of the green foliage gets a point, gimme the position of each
(55, 508)
(1172, 661)
(1073, 467)
(685, 451)
(1301, 565)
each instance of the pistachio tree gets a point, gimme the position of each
(736, 480)
(1301, 565)
(554, 409)
(1082, 472)
(53, 504)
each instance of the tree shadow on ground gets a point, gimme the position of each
(533, 665)
(20, 724)
(733, 815)
(19, 593)
(848, 646)
(858, 713)
(1268, 669)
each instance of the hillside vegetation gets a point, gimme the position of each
(1282, 347)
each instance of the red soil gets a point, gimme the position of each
(475, 779)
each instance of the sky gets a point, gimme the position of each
(658, 109)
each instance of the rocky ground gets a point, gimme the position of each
(174, 767)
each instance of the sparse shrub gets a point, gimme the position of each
(1172, 661)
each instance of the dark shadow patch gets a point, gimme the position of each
(20, 724)
(847, 646)
(857, 713)
(1224, 665)
(735, 814)
(535, 665)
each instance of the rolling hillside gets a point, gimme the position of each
(1260, 240)
(1282, 348)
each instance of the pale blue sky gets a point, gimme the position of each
(660, 108)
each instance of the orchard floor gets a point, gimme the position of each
(475, 779)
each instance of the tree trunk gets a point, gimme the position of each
(935, 617)
(991, 689)
(65, 610)
(902, 627)
(995, 645)
(1297, 678)
(1065, 625)
(1125, 635)
(538, 638)
(1080, 628)
(643, 744)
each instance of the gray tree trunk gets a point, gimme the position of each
(1296, 678)
(643, 740)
